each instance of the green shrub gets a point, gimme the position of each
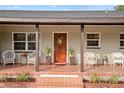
(113, 80)
(23, 77)
(96, 79)
(4, 78)
(48, 51)
(71, 52)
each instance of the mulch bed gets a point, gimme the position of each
(87, 81)
(89, 84)
(14, 80)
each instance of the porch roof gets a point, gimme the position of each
(58, 17)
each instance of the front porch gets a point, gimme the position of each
(82, 38)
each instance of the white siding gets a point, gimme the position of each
(46, 37)
(7, 36)
(0, 43)
(73, 38)
(109, 38)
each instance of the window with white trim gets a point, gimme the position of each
(24, 41)
(122, 40)
(93, 39)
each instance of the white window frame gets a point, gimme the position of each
(121, 39)
(99, 40)
(26, 42)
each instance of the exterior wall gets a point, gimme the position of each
(6, 36)
(73, 38)
(110, 36)
(46, 37)
(0, 43)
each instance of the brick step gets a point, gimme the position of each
(59, 79)
(56, 78)
(59, 73)
(67, 81)
(40, 85)
(61, 85)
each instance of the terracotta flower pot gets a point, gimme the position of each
(72, 61)
(48, 60)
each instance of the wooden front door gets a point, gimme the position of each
(60, 48)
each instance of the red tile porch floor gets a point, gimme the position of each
(64, 69)
(60, 70)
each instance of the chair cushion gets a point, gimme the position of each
(91, 58)
(32, 59)
(118, 58)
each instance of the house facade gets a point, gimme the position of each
(26, 31)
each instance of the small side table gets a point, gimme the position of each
(23, 59)
(105, 60)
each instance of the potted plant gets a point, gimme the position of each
(105, 59)
(71, 53)
(48, 55)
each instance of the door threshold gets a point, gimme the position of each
(58, 76)
(60, 63)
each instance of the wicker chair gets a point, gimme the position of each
(32, 58)
(8, 57)
(90, 58)
(118, 58)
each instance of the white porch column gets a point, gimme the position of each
(82, 48)
(36, 66)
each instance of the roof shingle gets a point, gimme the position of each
(60, 14)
